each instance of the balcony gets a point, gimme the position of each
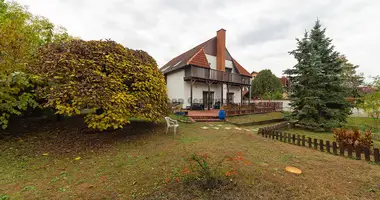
(200, 73)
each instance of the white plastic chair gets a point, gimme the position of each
(171, 123)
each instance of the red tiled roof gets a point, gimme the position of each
(183, 59)
(245, 92)
(197, 56)
(241, 69)
(199, 59)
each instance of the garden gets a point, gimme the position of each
(84, 120)
(67, 160)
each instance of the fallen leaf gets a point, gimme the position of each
(77, 158)
(45, 154)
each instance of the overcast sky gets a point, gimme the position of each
(259, 32)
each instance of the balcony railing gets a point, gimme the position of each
(216, 75)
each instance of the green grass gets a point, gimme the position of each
(364, 123)
(134, 163)
(360, 122)
(255, 118)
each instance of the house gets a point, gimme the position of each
(246, 90)
(254, 74)
(285, 83)
(367, 89)
(206, 76)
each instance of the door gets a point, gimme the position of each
(208, 99)
(230, 97)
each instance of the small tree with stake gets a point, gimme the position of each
(371, 102)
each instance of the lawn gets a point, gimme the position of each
(364, 123)
(360, 122)
(245, 119)
(64, 160)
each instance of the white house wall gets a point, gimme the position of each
(212, 61)
(179, 90)
(199, 88)
(230, 65)
(232, 89)
(176, 85)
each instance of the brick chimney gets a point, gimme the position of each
(221, 50)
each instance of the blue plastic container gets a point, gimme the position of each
(222, 114)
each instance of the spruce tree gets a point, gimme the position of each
(317, 90)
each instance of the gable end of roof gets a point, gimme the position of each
(241, 69)
(199, 59)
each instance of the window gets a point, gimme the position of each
(229, 70)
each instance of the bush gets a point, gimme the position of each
(113, 82)
(208, 174)
(266, 83)
(16, 95)
(273, 96)
(353, 137)
(21, 34)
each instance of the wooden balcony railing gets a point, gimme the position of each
(211, 74)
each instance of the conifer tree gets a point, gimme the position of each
(317, 89)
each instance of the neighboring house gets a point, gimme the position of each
(254, 74)
(285, 83)
(285, 86)
(246, 89)
(206, 75)
(367, 89)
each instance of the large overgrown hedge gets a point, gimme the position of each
(113, 82)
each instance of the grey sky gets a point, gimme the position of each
(259, 32)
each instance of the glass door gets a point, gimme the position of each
(208, 99)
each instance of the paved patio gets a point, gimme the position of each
(203, 113)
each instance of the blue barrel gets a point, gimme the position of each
(222, 114)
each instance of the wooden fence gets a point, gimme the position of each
(318, 144)
(253, 108)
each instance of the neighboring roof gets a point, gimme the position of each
(245, 92)
(254, 72)
(197, 56)
(367, 89)
(284, 81)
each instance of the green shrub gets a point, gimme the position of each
(210, 174)
(21, 34)
(16, 95)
